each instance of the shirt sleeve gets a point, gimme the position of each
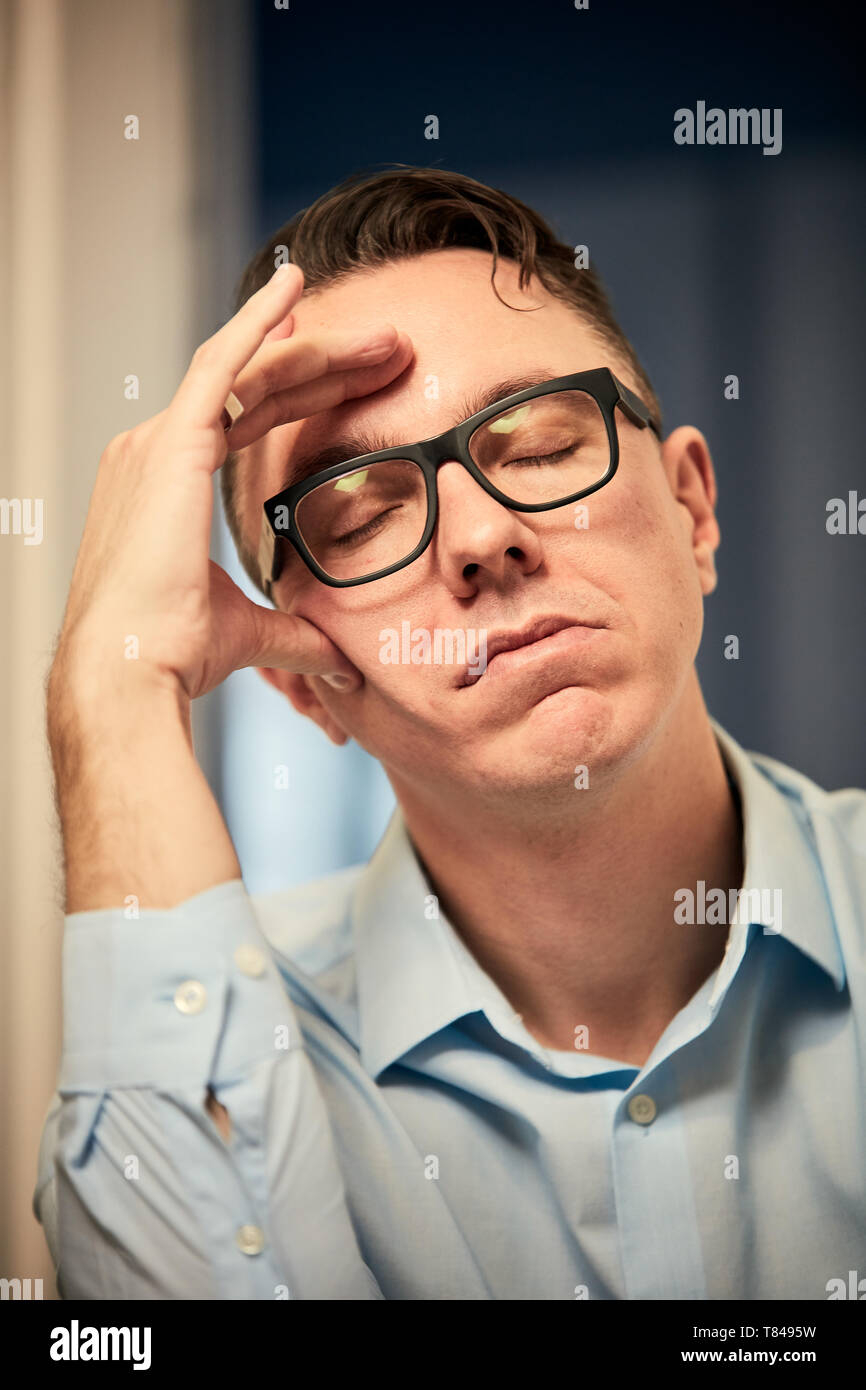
(139, 1194)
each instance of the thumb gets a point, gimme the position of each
(290, 643)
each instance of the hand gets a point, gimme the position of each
(143, 571)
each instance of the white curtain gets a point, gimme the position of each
(117, 257)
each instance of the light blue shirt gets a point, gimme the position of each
(397, 1132)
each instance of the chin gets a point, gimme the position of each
(542, 748)
(574, 718)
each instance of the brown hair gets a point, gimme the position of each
(368, 220)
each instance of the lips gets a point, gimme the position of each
(516, 640)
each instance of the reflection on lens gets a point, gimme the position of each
(366, 520)
(546, 449)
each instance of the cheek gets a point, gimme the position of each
(666, 586)
(367, 623)
(639, 553)
(370, 636)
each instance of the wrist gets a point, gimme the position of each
(86, 686)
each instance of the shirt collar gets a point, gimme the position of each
(781, 866)
(410, 984)
(415, 975)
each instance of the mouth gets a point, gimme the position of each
(509, 650)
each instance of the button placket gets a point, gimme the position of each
(642, 1109)
(250, 960)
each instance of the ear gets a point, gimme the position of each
(301, 691)
(689, 467)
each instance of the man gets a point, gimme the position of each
(586, 1026)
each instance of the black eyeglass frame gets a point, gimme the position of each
(429, 454)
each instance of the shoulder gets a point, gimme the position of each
(310, 924)
(843, 811)
(834, 823)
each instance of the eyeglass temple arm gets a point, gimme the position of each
(266, 556)
(635, 410)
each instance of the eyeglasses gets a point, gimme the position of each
(369, 516)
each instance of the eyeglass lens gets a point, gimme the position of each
(542, 451)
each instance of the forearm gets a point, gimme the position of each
(138, 819)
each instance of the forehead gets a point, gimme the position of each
(445, 301)
(464, 337)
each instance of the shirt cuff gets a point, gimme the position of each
(176, 996)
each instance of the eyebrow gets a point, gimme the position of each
(349, 446)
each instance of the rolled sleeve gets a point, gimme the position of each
(146, 999)
(139, 1194)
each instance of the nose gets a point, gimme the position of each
(478, 540)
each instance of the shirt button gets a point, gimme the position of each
(250, 1240)
(249, 960)
(642, 1109)
(190, 997)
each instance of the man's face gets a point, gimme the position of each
(638, 569)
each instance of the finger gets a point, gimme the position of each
(278, 366)
(323, 393)
(286, 641)
(287, 372)
(285, 329)
(199, 400)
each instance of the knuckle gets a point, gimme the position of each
(116, 448)
(269, 374)
(258, 420)
(313, 648)
(203, 354)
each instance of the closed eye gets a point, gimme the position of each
(535, 459)
(361, 533)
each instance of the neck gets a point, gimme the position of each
(574, 918)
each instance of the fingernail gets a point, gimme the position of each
(338, 682)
